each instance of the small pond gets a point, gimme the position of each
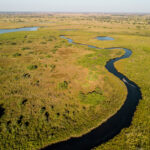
(18, 29)
(104, 38)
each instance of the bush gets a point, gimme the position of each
(63, 85)
(54, 50)
(50, 39)
(52, 67)
(25, 48)
(2, 110)
(29, 41)
(13, 43)
(32, 67)
(49, 56)
(16, 54)
(43, 43)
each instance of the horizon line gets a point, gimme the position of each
(74, 12)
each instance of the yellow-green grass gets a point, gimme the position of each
(46, 84)
(39, 108)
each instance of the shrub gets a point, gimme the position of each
(45, 65)
(25, 48)
(56, 46)
(52, 67)
(25, 36)
(26, 75)
(63, 85)
(50, 39)
(29, 41)
(43, 109)
(49, 56)
(32, 67)
(43, 43)
(13, 43)
(2, 110)
(24, 101)
(16, 54)
(54, 50)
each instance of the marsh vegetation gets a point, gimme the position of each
(51, 90)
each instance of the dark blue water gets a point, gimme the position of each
(2, 31)
(110, 128)
(104, 38)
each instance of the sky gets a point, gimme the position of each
(139, 6)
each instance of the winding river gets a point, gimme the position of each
(121, 119)
(112, 126)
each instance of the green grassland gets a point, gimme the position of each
(51, 90)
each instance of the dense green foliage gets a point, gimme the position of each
(92, 98)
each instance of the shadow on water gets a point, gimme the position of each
(111, 127)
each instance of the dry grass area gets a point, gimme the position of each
(51, 90)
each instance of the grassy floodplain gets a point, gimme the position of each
(51, 90)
